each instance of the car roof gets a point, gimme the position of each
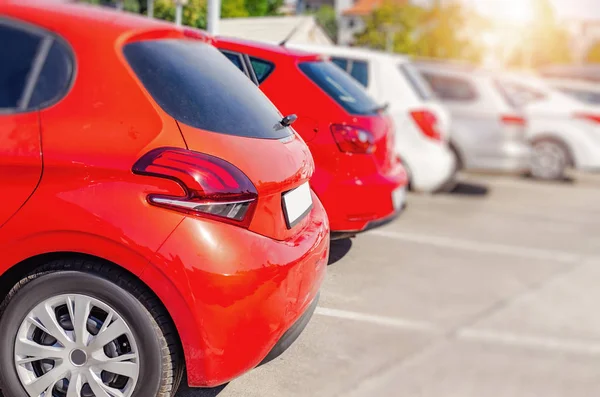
(353, 52)
(59, 15)
(273, 49)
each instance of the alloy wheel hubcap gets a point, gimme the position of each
(549, 160)
(76, 346)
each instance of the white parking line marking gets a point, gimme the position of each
(564, 345)
(476, 246)
(378, 320)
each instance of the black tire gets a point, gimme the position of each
(161, 366)
(550, 160)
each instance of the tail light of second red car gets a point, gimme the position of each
(350, 139)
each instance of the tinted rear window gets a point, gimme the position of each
(451, 88)
(589, 97)
(341, 87)
(416, 81)
(198, 86)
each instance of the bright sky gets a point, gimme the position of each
(520, 10)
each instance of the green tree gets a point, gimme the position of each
(438, 32)
(593, 55)
(391, 25)
(544, 40)
(443, 32)
(128, 5)
(326, 18)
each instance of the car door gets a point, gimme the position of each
(20, 140)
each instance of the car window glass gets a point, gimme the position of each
(235, 58)
(416, 81)
(589, 97)
(360, 71)
(55, 76)
(341, 62)
(19, 49)
(451, 88)
(517, 94)
(340, 87)
(262, 69)
(195, 84)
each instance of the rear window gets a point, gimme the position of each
(589, 97)
(451, 88)
(198, 86)
(416, 81)
(518, 95)
(340, 86)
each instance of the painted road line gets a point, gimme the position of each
(481, 247)
(563, 345)
(379, 320)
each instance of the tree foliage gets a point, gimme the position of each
(593, 55)
(391, 24)
(195, 12)
(326, 18)
(544, 40)
(409, 29)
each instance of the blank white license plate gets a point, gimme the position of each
(399, 198)
(296, 204)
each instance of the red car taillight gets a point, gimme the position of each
(594, 118)
(353, 139)
(512, 120)
(214, 188)
(427, 122)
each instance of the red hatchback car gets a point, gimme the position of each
(358, 177)
(156, 213)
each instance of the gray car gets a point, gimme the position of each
(488, 132)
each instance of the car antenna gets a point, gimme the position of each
(289, 36)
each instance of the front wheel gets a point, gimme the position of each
(549, 160)
(77, 334)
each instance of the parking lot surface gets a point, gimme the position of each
(490, 291)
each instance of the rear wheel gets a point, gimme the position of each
(79, 334)
(549, 160)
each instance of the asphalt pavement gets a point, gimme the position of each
(493, 290)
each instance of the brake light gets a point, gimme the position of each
(198, 35)
(594, 118)
(509, 119)
(353, 139)
(214, 188)
(427, 122)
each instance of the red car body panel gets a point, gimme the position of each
(356, 189)
(231, 292)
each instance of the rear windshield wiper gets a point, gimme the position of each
(381, 108)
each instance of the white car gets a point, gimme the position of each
(422, 125)
(564, 131)
(584, 91)
(488, 133)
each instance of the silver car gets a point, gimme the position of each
(488, 132)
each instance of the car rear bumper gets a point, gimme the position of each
(513, 157)
(353, 202)
(290, 336)
(431, 168)
(244, 291)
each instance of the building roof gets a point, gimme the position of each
(297, 29)
(365, 7)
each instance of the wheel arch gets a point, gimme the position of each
(553, 137)
(26, 266)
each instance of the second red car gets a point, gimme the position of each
(358, 176)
